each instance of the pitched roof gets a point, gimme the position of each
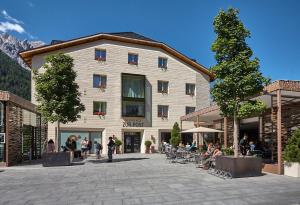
(127, 37)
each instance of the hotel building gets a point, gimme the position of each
(132, 87)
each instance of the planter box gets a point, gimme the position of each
(241, 166)
(57, 159)
(292, 169)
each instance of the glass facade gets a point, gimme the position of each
(133, 95)
(91, 136)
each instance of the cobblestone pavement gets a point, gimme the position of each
(139, 179)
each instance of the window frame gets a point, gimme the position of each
(162, 91)
(123, 98)
(186, 109)
(186, 90)
(100, 58)
(161, 66)
(132, 62)
(100, 75)
(100, 112)
(161, 115)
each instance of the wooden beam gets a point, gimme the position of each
(279, 137)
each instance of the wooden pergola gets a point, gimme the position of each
(277, 123)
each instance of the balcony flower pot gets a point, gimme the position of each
(148, 145)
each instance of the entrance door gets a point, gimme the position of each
(132, 142)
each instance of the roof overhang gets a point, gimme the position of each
(289, 91)
(28, 54)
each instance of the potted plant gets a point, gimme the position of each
(148, 144)
(291, 155)
(228, 151)
(118, 144)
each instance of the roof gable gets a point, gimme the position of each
(127, 37)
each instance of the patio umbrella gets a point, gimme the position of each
(201, 130)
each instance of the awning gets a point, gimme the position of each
(201, 130)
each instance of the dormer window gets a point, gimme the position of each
(133, 58)
(100, 54)
(162, 62)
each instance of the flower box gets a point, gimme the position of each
(100, 113)
(100, 58)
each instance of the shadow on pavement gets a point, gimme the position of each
(116, 160)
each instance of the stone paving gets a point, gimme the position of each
(139, 179)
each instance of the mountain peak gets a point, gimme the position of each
(12, 46)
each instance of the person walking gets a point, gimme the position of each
(111, 147)
(84, 147)
(98, 150)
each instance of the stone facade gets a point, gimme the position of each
(177, 74)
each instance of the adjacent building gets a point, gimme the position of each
(132, 86)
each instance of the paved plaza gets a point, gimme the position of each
(139, 179)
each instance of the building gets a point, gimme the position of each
(22, 130)
(270, 131)
(133, 87)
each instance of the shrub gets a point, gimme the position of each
(118, 142)
(292, 149)
(228, 151)
(175, 135)
(148, 143)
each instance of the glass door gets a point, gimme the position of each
(132, 142)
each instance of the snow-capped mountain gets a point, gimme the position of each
(12, 46)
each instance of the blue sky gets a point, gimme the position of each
(183, 24)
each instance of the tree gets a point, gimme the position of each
(57, 92)
(175, 135)
(237, 73)
(292, 150)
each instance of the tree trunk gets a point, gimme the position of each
(58, 134)
(236, 131)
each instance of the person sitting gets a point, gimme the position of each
(243, 145)
(217, 152)
(50, 146)
(193, 147)
(187, 146)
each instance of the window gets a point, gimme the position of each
(99, 81)
(162, 86)
(133, 95)
(190, 89)
(162, 62)
(162, 111)
(133, 59)
(99, 108)
(100, 54)
(189, 110)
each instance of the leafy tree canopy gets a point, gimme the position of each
(56, 90)
(237, 73)
(292, 150)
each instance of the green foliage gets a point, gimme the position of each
(228, 151)
(14, 78)
(292, 149)
(251, 108)
(118, 142)
(175, 135)
(237, 73)
(148, 143)
(56, 90)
